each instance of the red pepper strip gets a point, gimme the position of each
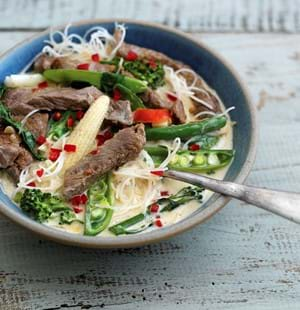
(151, 115)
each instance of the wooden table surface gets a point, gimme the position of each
(243, 258)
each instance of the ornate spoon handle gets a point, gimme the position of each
(285, 204)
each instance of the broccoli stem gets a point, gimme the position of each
(102, 80)
(59, 128)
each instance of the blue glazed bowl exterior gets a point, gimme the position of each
(215, 71)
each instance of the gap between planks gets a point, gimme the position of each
(192, 15)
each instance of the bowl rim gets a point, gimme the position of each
(168, 231)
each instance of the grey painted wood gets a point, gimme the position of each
(243, 258)
(191, 15)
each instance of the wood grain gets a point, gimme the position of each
(243, 258)
(192, 15)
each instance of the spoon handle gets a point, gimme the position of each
(285, 204)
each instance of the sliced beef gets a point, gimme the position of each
(36, 123)
(23, 100)
(123, 147)
(44, 62)
(207, 97)
(120, 112)
(13, 157)
(150, 97)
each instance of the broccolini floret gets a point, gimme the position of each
(41, 206)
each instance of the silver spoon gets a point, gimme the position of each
(285, 204)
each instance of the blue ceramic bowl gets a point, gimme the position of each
(209, 65)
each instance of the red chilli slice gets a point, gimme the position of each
(41, 140)
(172, 97)
(117, 95)
(131, 56)
(31, 184)
(84, 66)
(154, 208)
(158, 223)
(76, 200)
(83, 199)
(57, 116)
(40, 172)
(159, 173)
(79, 115)
(164, 193)
(70, 122)
(194, 147)
(54, 154)
(95, 57)
(43, 85)
(70, 148)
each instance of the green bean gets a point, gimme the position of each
(186, 130)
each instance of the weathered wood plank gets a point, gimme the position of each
(243, 258)
(192, 15)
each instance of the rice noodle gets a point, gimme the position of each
(51, 179)
(181, 88)
(135, 185)
(215, 114)
(62, 44)
(24, 120)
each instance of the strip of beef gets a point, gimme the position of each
(123, 147)
(120, 112)
(150, 97)
(37, 123)
(45, 62)
(23, 100)
(13, 157)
